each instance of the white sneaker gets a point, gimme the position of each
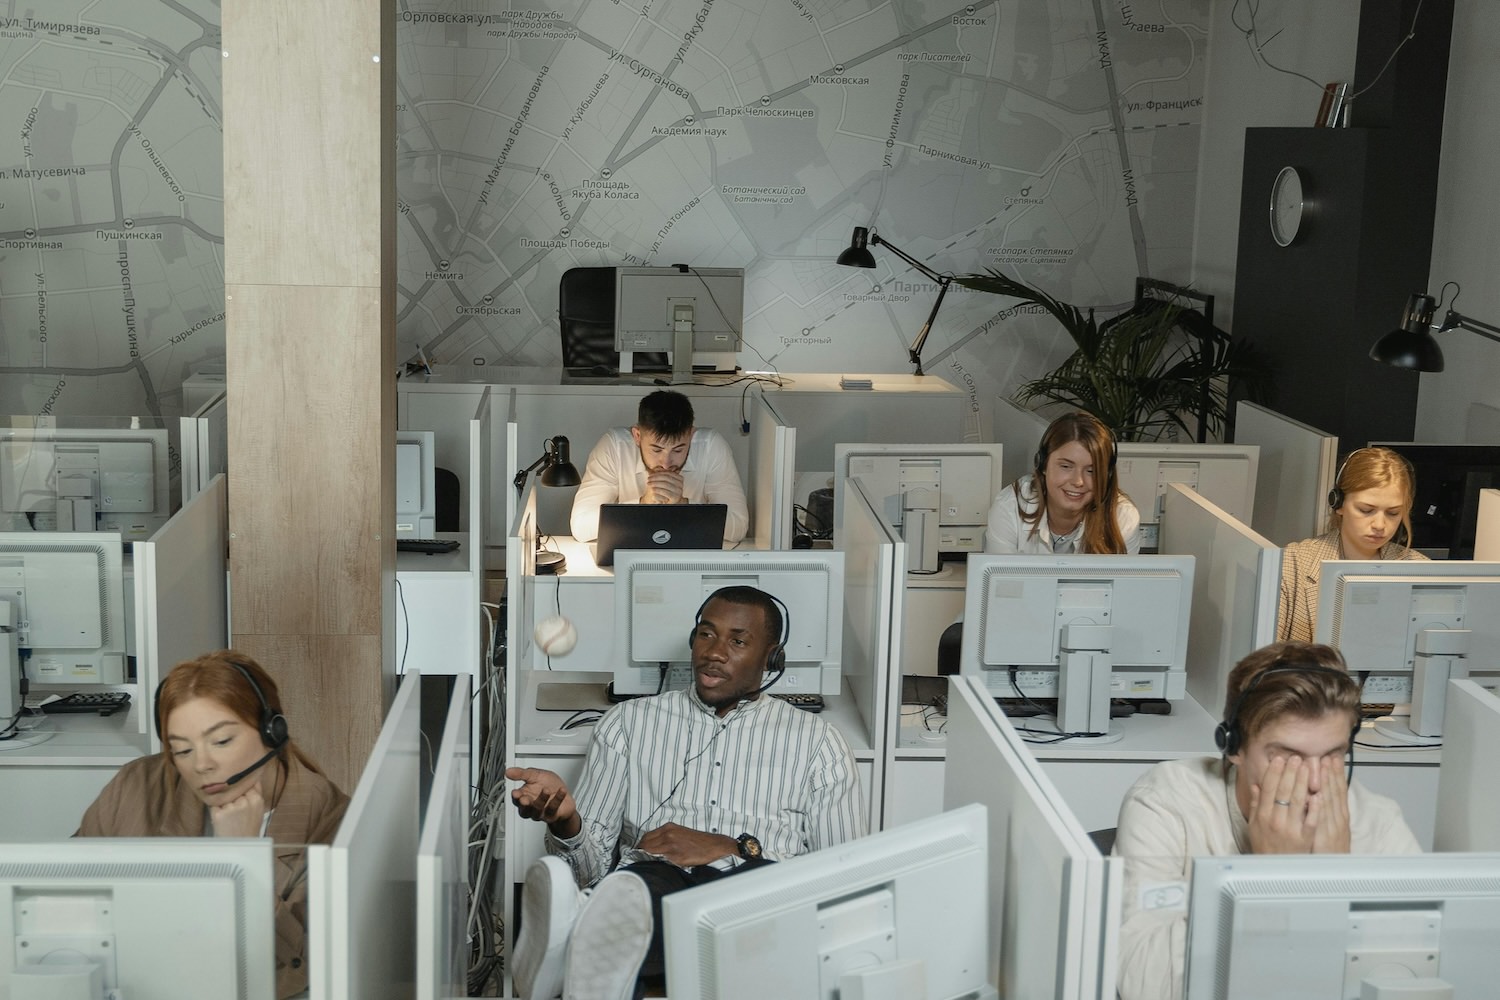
(549, 908)
(609, 940)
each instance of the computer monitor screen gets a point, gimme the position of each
(1078, 628)
(85, 479)
(1225, 473)
(900, 913)
(1449, 478)
(654, 304)
(1408, 627)
(416, 471)
(937, 496)
(1296, 927)
(67, 591)
(159, 917)
(656, 596)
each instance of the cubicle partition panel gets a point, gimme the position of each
(1487, 531)
(1054, 901)
(512, 462)
(874, 595)
(1295, 473)
(1468, 811)
(773, 455)
(1236, 584)
(362, 887)
(480, 505)
(181, 594)
(442, 861)
(204, 445)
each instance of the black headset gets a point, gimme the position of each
(271, 725)
(776, 658)
(1227, 735)
(1336, 495)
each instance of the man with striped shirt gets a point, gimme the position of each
(677, 790)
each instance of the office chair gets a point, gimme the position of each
(586, 321)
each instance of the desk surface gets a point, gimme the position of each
(471, 378)
(81, 740)
(540, 734)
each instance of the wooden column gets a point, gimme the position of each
(309, 213)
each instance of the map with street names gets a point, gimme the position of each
(1055, 141)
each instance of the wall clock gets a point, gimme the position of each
(1286, 206)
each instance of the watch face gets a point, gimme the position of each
(1286, 206)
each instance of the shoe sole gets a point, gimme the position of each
(540, 964)
(615, 928)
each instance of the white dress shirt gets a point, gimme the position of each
(783, 775)
(1007, 534)
(616, 474)
(1185, 809)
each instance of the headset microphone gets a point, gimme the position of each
(242, 775)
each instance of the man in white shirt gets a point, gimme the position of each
(663, 459)
(1290, 717)
(685, 788)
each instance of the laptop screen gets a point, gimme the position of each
(658, 526)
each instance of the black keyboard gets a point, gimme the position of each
(806, 702)
(97, 702)
(431, 546)
(1119, 708)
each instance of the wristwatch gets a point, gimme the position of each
(749, 847)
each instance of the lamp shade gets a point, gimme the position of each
(1412, 344)
(858, 254)
(559, 471)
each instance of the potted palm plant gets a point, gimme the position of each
(1144, 372)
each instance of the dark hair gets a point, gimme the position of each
(666, 414)
(1304, 680)
(213, 676)
(1373, 469)
(1101, 534)
(752, 597)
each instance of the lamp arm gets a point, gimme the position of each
(1475, 326)
(911, 261)
(915, 351)
(520, 481)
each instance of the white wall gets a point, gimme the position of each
(1466, 234)
(1317, 39)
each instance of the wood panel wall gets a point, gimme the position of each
(309, 206)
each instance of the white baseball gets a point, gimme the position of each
(555, 636)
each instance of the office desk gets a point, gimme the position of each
(437, 629)
(47, 786)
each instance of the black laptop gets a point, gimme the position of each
(658, 526)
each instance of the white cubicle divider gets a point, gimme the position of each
(1296, 470)
(204, 445)
(1468, 811)
(1236, 585)
(480, 501)
(874, 598)
(442, 861)
(181, 593)
(773, 458)
(512, 459)
(362, 887)
(1487, 531)
(1054, 900)
(1020, 430)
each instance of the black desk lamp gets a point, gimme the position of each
(858, 255)
(1412, 345)
(556, 470)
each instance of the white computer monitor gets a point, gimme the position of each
(67, 590)
(1236, 587)
(1407, 628)
(1468, 816)
(1082, 629)
(900, 913)
(85, 479)
(669, 308)
(361, 889)
(937, 496)
(1054, 901)
(160, 917)
(1299, 927)
(416, 473)
(657, 594)
(1225, 473)
(443, 861)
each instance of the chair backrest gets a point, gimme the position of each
(586, 321)
(446, 494)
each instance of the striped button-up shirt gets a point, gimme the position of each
(767, 769)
